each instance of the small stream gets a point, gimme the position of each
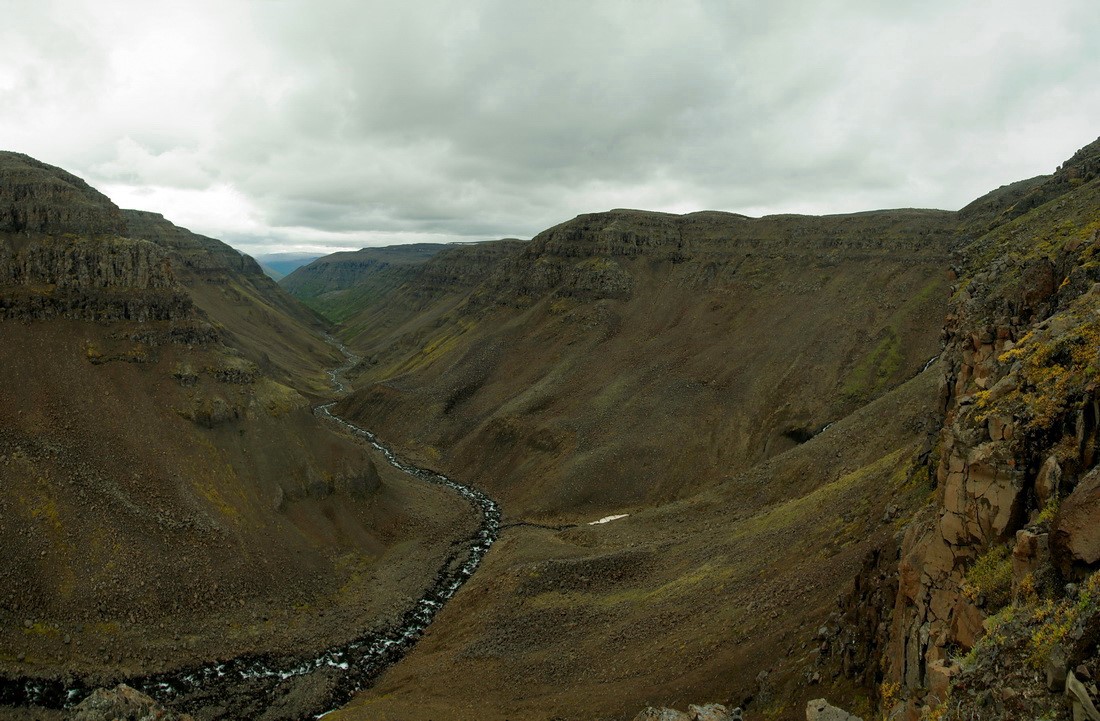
(247, 686)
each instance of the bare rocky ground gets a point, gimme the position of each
(366, 560)
(596, 622)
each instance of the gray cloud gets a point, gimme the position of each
(340, 124)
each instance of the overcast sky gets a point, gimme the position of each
(325, 124)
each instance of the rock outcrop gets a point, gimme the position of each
(1020, 432)
(123, 703)
(821, 710)
(708, 712)
(1075, 540)
(36, 198)
(100, 278)
(62, 253)
(191, 253)
(589, 256)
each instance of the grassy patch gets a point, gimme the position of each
(436, 348)
(872, 374)
(1032, 628)
(276, 398)
(684, 586)
(990, 578)
(1058, 365)
(1053, 620)
(796, 511)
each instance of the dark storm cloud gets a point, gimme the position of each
(347, 123)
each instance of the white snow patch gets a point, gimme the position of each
(608, 519)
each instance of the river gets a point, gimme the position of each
(240, 687)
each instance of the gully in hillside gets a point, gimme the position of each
(250, 681)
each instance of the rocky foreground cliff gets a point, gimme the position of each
(991, 578)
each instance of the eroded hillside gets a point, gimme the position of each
(748, 390)
(626, 357)
(804, 521)
(168, 494)
(339, 284)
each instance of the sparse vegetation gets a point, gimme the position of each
(1057, 364)
(989, 580)
(1052, 620)
(877, 369)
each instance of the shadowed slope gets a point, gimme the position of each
(168, 495)
(629, 357)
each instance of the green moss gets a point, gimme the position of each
(874, 372)
(1050, 510)
(42, 629)
(597, 263)
(1058, 364)
(991, 578)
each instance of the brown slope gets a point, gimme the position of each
(392, 308)
(718, 597)
(373, 291)
(164, 499)
(339, 284)
(272, 329)
(671, 367)
(628, 357)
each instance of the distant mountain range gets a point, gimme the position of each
(278, 265)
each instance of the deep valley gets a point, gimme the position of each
(850, 457)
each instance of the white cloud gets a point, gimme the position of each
(216, 206)
(343, 123)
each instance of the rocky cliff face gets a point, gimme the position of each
(62, 254)
(38, 198)
(272, 329)
(191, 253)
(465, 267)
(101, 278)
(1015, 506)
(589, 256)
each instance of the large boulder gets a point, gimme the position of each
(709, 712)
(821, 710)
(123, 703)
(1075, 541)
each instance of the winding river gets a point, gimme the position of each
(245, 684)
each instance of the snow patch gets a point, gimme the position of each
(608, 519)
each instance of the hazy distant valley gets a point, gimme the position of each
(851, 457)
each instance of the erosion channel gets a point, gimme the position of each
(247, 686)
